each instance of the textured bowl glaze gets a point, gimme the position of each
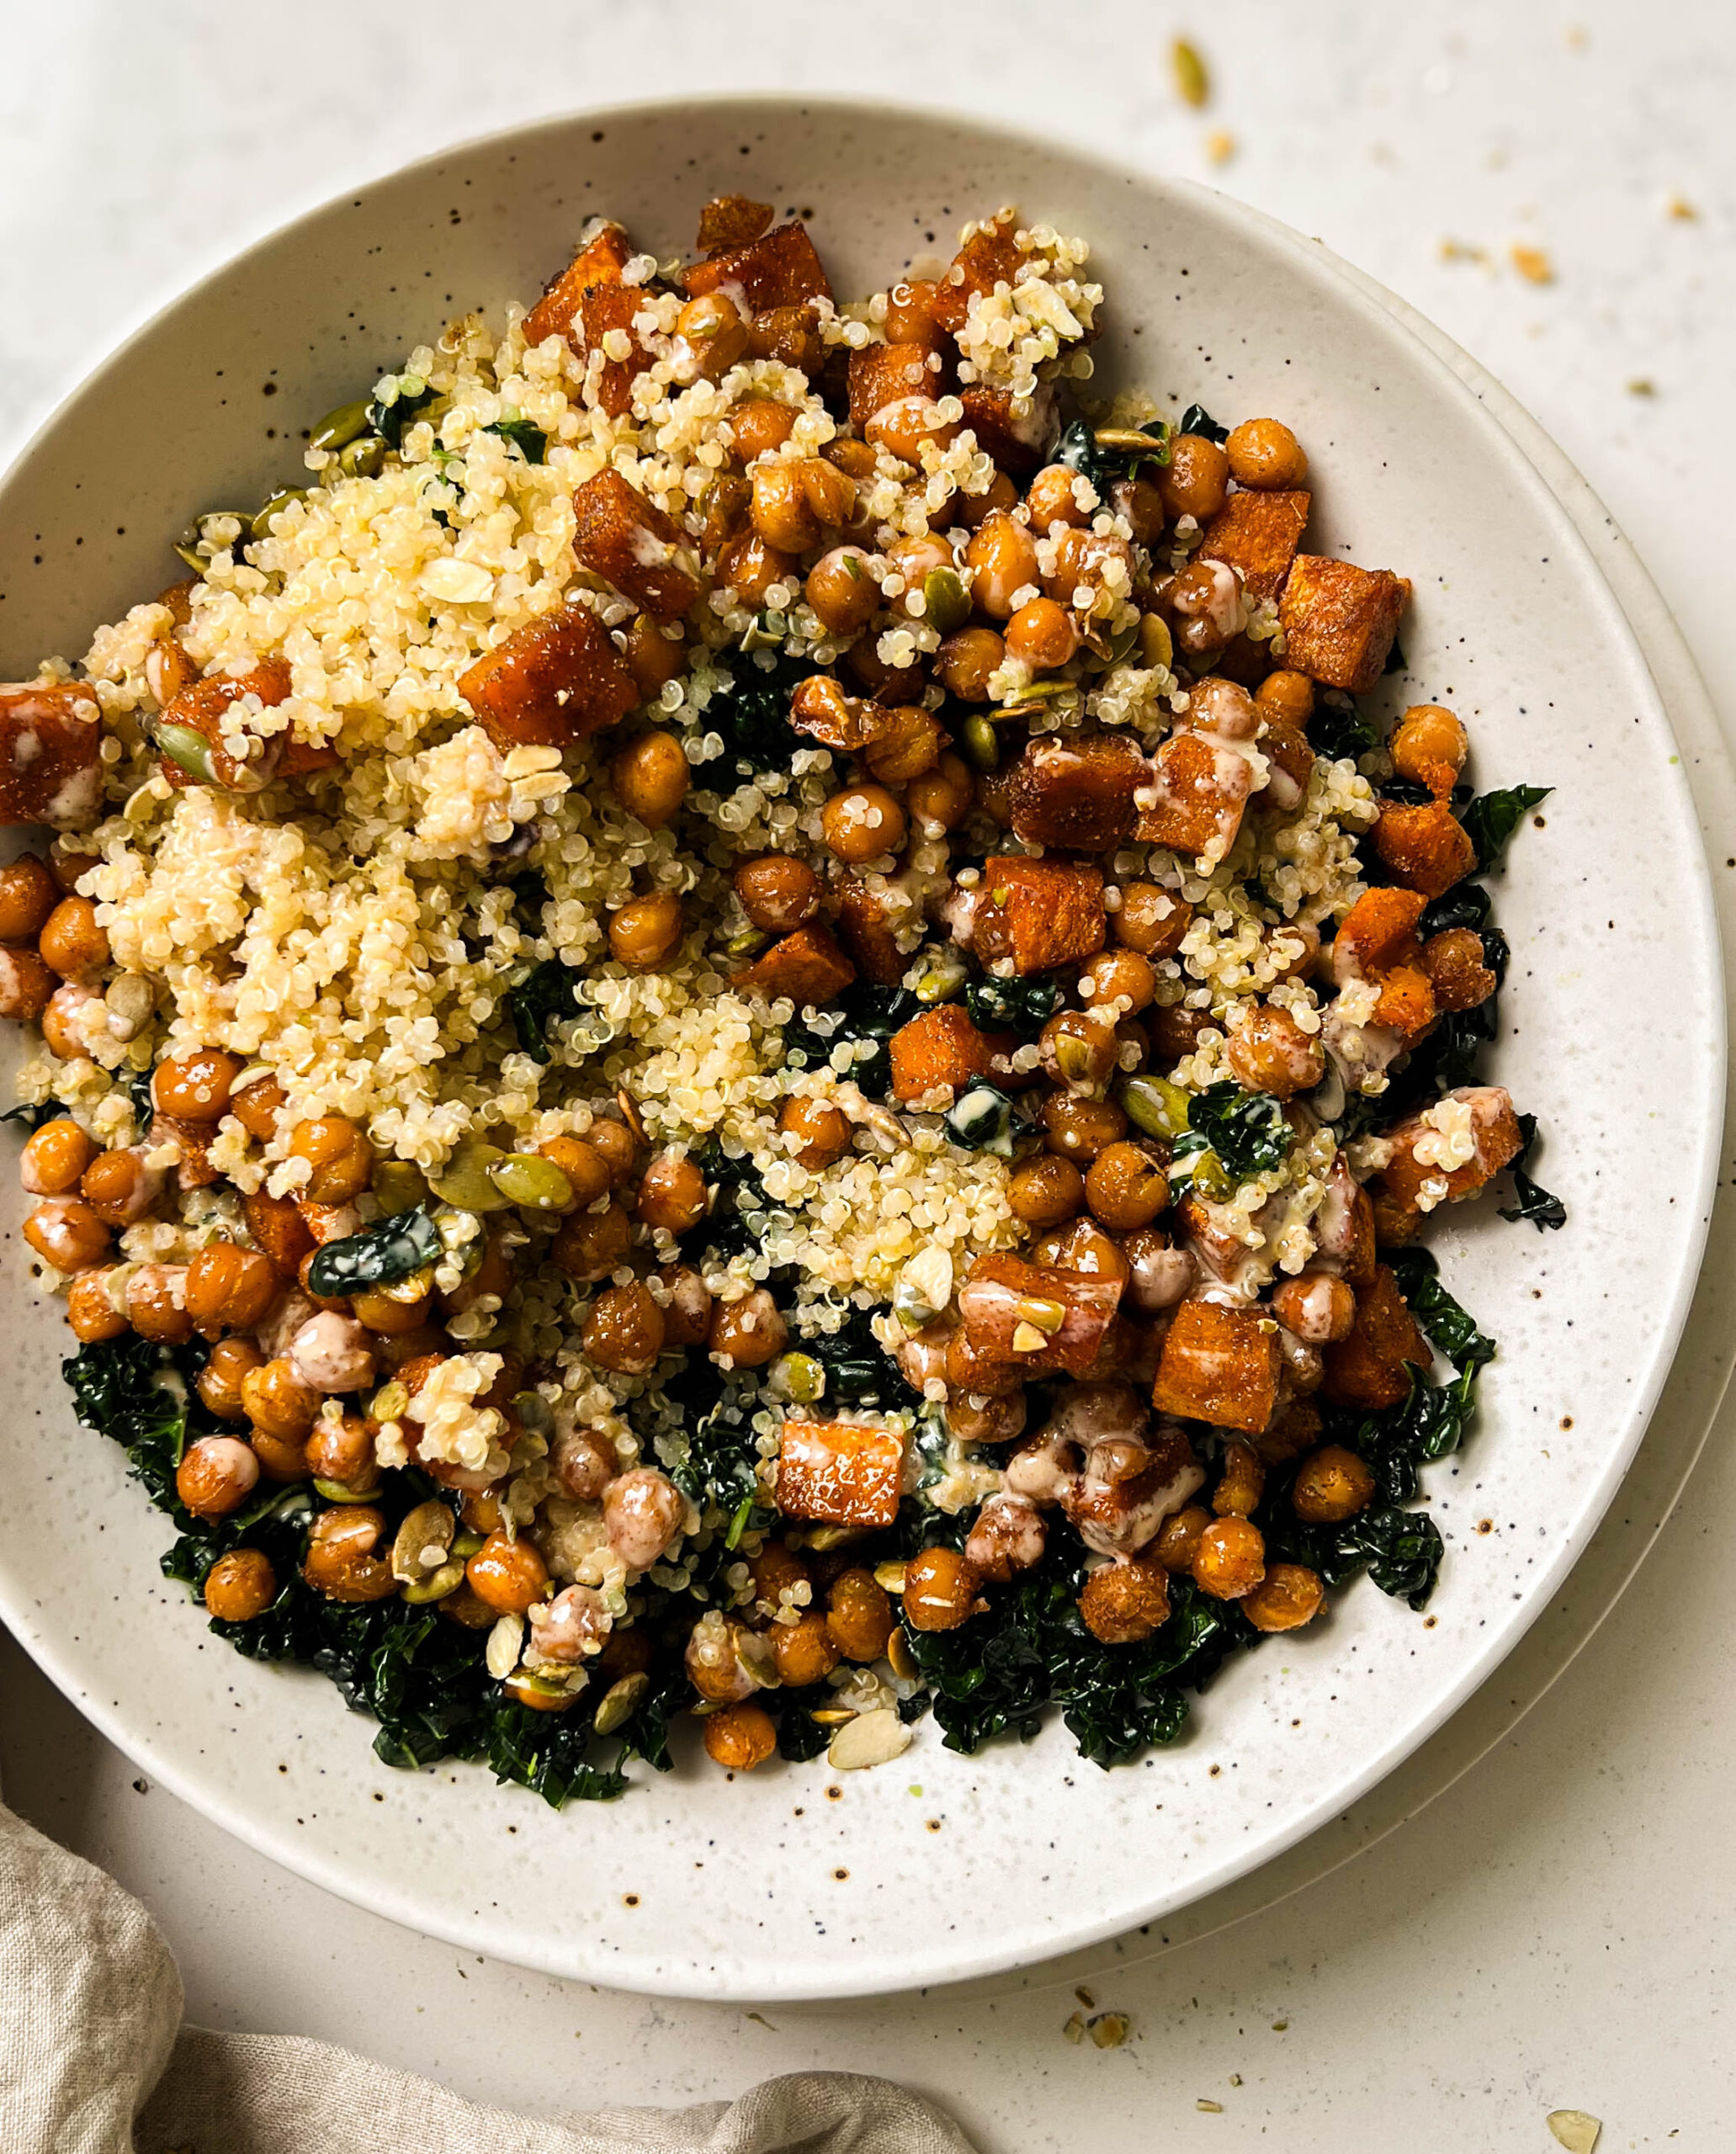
(798, 1883)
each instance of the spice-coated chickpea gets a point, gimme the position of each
(341, 1448)
(1080, 1128)
(1457, 966)
(645, 931)
(1270, 1052)
(72, 944)
(624, 1330)
(1288, 1596)
(1125, 1601)
(1179, 1537)
(1052, 498)
(583, 1165)
(229, 1288)
(1125, 1187)
(427, 1340)
(1042, 634)
(1230, 1559)
(240, 1586)
(219, 1383)
(999, 498)
(67, 1010)
(828, 492)
(119, 1186)
(1317, 1307)
(1241, 1484)
(806, 1651)
(258, 1107)
(66, 1232)
(653, 655)
(908, 426)
(855, 457)
(1175, 1028)
(1151, 919)
(275, 1399)
(686, 1314)
(589, 1245)
(1141, 500)
(908, 747)
(1123, 976)
(1265, 455)
(859, 1614)
(941, 798)
(28, 894)
(90, 1308)
(1046, 1190)
(195, 1087)
(739, 1736)
(909, 315)
(672, 1194)
(842, 591)
(340, 1155)
(751, 1331)
(54, 1157)
(1002, 557)
(779, 893)
(216, 1476)
(1331, 1485)
(156, 1303)
(750, 566)
(509, 1575)
(725, 1660)
(1287, 696)
(790, 334)
(340, 1560)
(27, 987)
(617, 1146)
(649, 776)
(713, 330)
(775, 1570)
(862, 823)
(780, 511)
(940, 1589)
(480, 1510)
(1195, 479)
(966, 659)
(825, 1131)
(1429, 746)
(759, 425)
(1079, 1051)
(584, 1460)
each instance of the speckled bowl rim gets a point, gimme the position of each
(396, 1898)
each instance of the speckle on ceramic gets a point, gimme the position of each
(1615, 1039)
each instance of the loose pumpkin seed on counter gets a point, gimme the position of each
(732, 1030)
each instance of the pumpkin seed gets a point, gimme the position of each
(429, 1525)
(1575, 2129)
(823, 1539)
(543, 1690)
(259, 523)
(942, 979)
(753, 1656)
(1156, 646)
(1048, 1316)
(976, 736)
(465, 1543)
(416, 1287)
(1155, 1105)
(872, 1738)
(1036, 695)
(398, 1187)
(924, 1286)
(831, 1716)
(1074, 1058)
(188, 750)
(890, 1576)
(537, 1184)
(1132, 441)
(1208, 1175)
(1192, 82)
(334, 1492)
(362, 460)
(620, 1701)
(434, 1585)
(395, 1248)
(338, 429)
(390, 1401)
(945, 603)
(902, 1659)
(533, 1412)
(748, 944)
(465, 1179)
(801, 1378)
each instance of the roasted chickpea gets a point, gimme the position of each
(1003, 558)
(1265, 455)
(1288, 1596)
(480, 1510)
(72, 944)
(216, 1476)
(1053, 497)
(383, 1314)
(617, 1147)
(584, 1465)
(940, 799)
(686, 1314)
(63, 1012)
(340, 1155)
(649, 776)
(583, 1165)
(862, 823)
(66, 1232)
(780, 511)
(714, 334)
(1230, 1559)
(1178, 1538)
(1159, 1275)
(750, 566)
(1175, 1028)
(940, 1589)
(28, 894)
(1078, 1128)
(1125, 1601)
(54, 1159)
(1332, 1485)
(999, 498)
(1151, 919)
(275, 1399)
(240, 1586)
(908, 746)
(758, 425)
(825, 1131)
(1457, 968)
(859, 1614)
(789, 333)
(965, 661)
(624, 1330)
(1079, 1051)
(855, 457)
(806, 1651)
(842, 591)
(219, 1382)
(427, 1343)
(907, 425)
(672, 1193)
(778, 1569)
(90, 1308)
(778, 891)
(1269, 1052)
(654, 657)
(1317, 1307)
(1287, 696)
(645, 931)
(909, 315)
(1196, 479)
(256, 1109)
(828, 492)
(1042, 635)
(739, 1736)
(341, 1562)
(341, 1449)
(229, 1288)
(1141, 503)
(196, 1087)
(750, 1331)
(508, 1575)
(119, 1186)
(1125, 1187)
(1118, 976)
(726, 1662)
(1046, 1190)
(1429, 747)
(589, 1245)
(1241, 1484)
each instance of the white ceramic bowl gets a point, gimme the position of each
(794, 1884)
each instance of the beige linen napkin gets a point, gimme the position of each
(93, 2060)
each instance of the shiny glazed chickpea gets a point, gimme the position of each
(1317, 1307)
(649, 776)
(66, 1232)
(157, 1305)
(739, 1736)
(275, 1399)
(1331, 1485)
(1000, 498)
(686, 1314)
(672, 1194)
(909, 424)
(940, 1589)
(750, 1331)
(624, 1330)
(862, 824)
(825, 1131)
(216, 1476)
(775, 1570)
(229, 1288)
(1241, 1484)
(90, 1310)
(1122, 976)
(715, 334)
(508, 1575)
(29, 893)
(806, 1651)
(27, 987)
(778, 891)
(842, 591)
(1288, 1596)
(54, 1158)
(618, 1148)
(195, 1087)
(653, 657)
(341, 1449)
(1429, 746)
(1230, 1559)
(647, 931)
(341, 1157)
(1078, 1049)
(1003, 558)
(748, 566)
(759, 425)
(589, 1245)
(219, 1382)
(1052, 497)
(340, 1560)
(940, 799)
(1125, 1187)
(909, 315)
(72, 944)
(859, 1614)
(1042, 635)
(1270, 1052)
(385, 1313)
(240, 1586)
(583, 1165)
(1080, 1128)
(965, 661)
(1125, 1601)
(1046, 1190)
(1287, 697)
(1196, 479)
(909, 746)
(780, 511)
(1179, 1537)
(1265, 455)
(119, 1186)
(65, 1013)
(1151, 919)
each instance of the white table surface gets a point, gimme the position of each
(1552, 1932)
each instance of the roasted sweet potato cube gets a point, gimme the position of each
(1286, 745)
(1257, 534)
(50, 770)
(1480, 1114)
(807, 965)
(881, 373)
(279, 1229)
(1339, 621)
(841, 1473)
(732, 221)
(1427, 848)
(941, 1050)
(1194, 800)
(630, 542)
(550, 682)
(1371, 1367)
(1378, 933)
(1407, 1002)
(1015, 431)
(1035, 1317)
(1039, 913)
(200, 708)
(1076, 795)
(600, 261)
(867, 935)
(194, 1138)
(990, 256)
(604, 309)
(782, 269)
(1220, 1365)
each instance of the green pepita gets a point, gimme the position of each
(466, 1180)
(1130, 439)
(1048, 1316)
(1208, 1175)
(903, 1660)
(976, 736)
(259, 524)
(532, 1411)
(945, 603)
(1191, 79)
(338, 429)
(398, 1187)
(801, 1378)
(334, 1492)
(188, 750)
(419, 1592)
(1157, 646)
(1074, 1058)
(427, 1525)
(1155, 1105)
(942, 979)
(537, 1184)
(466, 1544)
(390, 1402)
(620, 1701)
(748, 944)
(362, 460)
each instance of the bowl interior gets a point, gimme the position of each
(797, 1883)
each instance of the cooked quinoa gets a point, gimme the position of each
(738, 1017)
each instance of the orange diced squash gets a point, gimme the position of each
(200, 706)
(867, 935)
(808, 967)
(51, 769)
(1257, 534)
(732, 221)
(1000, 1301)
(881, 373)
(1194, 802)
(1039, 913)
(631, 543)
(1378, 932)
(1014, 431)
(602, 308)
(780, 270)
(1407, 1001)
(279, 1229)
(1494, 1132)
(988, 257)
(840, 1473)
(1339, 621)
(599, 262)
(549, 683)
(941, 1050)
(1076, 793)
(1371, 1367)
(1219, 1364)
(1427, 848)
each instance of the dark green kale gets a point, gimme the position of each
(752, 713)
(1247, 1130)
(800, 1736)
(980, 1119)
(31, 1117)
(531, 443)
(1104, 456)
(380, 1255)
(868, 1017)
(858, 1370)
(400, 401)
(1534, 1203)
(1491, 819)
(1019, 1006)
(548, 993)
(1338, 731)
(1198, 420)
